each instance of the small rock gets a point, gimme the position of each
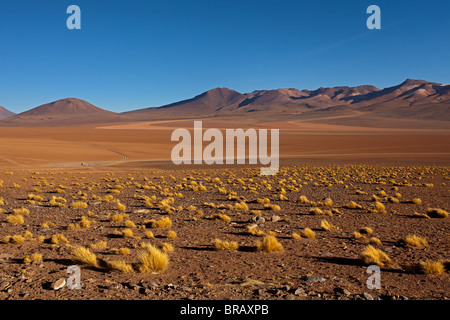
(326, 254)
(342, 291)
(313, 279)
(4, 285)
(367, 296)
(299, 291)
(258, 220)
(58, 284)
(275, 218)
(142, 211)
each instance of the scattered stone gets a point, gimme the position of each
(276, 218)
(142, 211)
(343, 291)
(258, 220)
(326, 254)
(367, 296)
(299, 291)
(4, 285)
(58, 284)
(313, 279)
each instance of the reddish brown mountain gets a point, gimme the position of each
(5, 113)
(63, 112)
(412, 98)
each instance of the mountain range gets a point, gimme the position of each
(412, 99)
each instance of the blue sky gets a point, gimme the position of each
(136, 54)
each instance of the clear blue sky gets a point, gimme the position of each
(136, 54)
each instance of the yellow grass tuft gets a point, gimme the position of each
(371, 255)
(120, 206)
(379, 207)
(433, 268)
(119, 266)
(152, 259)
(225, 245)
(352, 205)
(15, 219)
(58, 238)
(274, 207)
(375, 241)
(366, 230)
(437, 213)
(79, 205)
(308, 233)
(171, 234)
(161, 223)
(22, 211)
(241, 206)
(83, 255)
(222, 217)
(415, 241)
(316, 211)
(325, 225)
(269, 244)
(17, 239)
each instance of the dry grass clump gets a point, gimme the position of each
(433, 268)
(58, 202)
(269, 244)
(437, 213)
(241, 206)
(325, 225)
(415, 241)
(366, 230)
(254, 230)
(120, 251)
(35, 257)
(371, 255)
(220, 216)
(118, 217)
(15, 219)
(84, 256)
(274, 207)
(171, 234)
(353, 205)
(127, 233)
(120, 206)
(22, 211)
(152, 259)
(225, 245)
(17, 239)
(79, 205)
(161, 223)
(379, 207)
(316, 211)
(375, 241)
(308, 233)
(119, 266)
(421, 215)
(58, 238)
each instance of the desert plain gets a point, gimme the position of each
(112, 190)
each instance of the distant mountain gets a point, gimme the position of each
(63, 112)
(336, 100)
(412, 99)
(5, 113)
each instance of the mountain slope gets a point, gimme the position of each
(5, 113)
(63, 112)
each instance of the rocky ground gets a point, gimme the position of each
(328, 266)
